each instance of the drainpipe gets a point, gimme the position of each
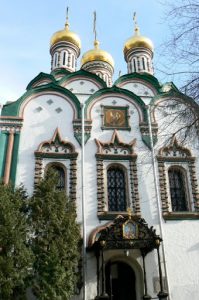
(83, 209)
(157, 192)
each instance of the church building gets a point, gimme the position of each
(120, 159)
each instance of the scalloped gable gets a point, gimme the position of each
(116, 90)
(14, 108)
(84, 75)
(145, 77)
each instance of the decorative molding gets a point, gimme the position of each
(144, 129)
(57, 148)
(115, 150)
(10, 124)
(174, 150)
(176, 153)
(77, 127)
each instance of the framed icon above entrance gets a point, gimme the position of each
(115, 117)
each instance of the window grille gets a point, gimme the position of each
(116, 189)
(177, 190)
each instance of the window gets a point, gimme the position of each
(116, 189)
(143, 63)
(178, 182)
(60, 155)
(177, 186)
(117, 181)
(61, 176)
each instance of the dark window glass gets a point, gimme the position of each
(177, 190)
(61, 177)
(116, 189)
(64, 58)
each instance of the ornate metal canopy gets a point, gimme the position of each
(124, 232)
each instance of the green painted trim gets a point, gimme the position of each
(12, 109)
(78, 137)
(116, 90)
(144, 76)
(14, 158)
(61, 71)
(147, 140)
(39, 77)
(83, 73)
(3, 151)
(174, 93)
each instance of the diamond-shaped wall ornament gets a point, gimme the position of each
(92, 90)
(50, 101)
(81, 82)
(39, 108)
(58, 110)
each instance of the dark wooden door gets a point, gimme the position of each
(120, 281)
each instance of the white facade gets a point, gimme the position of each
(50, 105)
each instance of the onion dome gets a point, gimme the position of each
(138, 41)
(138, 52)
(65, 35)
(97, 54)
(65, 49)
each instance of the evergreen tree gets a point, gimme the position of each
(55, 241)
(15, 255)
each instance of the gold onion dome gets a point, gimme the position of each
(138, 41)
(66, 35)
(97, 54)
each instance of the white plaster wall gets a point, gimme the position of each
(40, 123)
(82, 88)
(180, 237)
(140, 89)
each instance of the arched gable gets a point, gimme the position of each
(118, 93)
(40, 79)
(170, 98)
(17, 108)
(146, 79)
(83, 75)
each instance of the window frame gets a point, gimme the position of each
(123, 167)
(63, 167)
(176, 155)
(115, 152)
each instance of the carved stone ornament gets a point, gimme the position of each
(57, 149)
(116, 151)
(176, 153)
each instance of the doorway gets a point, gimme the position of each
(120, 281)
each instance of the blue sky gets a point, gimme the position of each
(27, 26)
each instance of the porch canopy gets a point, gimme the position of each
(124, 232)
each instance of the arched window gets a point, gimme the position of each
(143, 63)
(61, 183)
(177, 184)
(134, 65)
(116, 189)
